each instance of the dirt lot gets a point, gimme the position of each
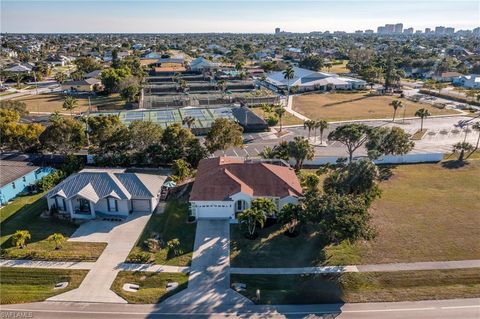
(355, 106)
(54, 102)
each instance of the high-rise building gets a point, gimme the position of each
(390, 28)
(277, 30)
(398, 28)
(439, 30)
(418, 31)
(428, 30)
(449, 30)
(359, 31)
(381, 30)
(368, 31)
(408, 31)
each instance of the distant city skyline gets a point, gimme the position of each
(122, 16)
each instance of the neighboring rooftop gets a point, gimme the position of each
(10, 171)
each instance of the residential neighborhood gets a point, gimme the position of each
(269, 159)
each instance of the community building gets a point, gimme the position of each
(307, 80)
(225, 186)
(18, 177)
(471, 81)
(93, 193)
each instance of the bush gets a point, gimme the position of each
(173, 246)
(140, 257)
(47, 182)
(153, 245)
(272, 120)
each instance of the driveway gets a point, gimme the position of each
(121, 237)
(209, 281)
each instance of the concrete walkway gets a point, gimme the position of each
(209, 280)
(22, 263)
(433, 265)
(152, 268)
(96, 285)
(289, 109)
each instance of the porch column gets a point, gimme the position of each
(92, 209)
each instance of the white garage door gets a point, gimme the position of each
(140, 205)
(213, 212)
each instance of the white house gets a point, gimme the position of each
(201, 64)
(308, 80)
(471, 81)
(225, 186)
(95, 193)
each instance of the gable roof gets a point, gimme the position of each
(97, 184)
(10, 171)
(309, 77)
(221, 177)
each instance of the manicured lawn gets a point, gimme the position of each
(21, 285)
(337, 68)
(51, 102)
(362, 287)
(171, 224)
(354, 106)
(152, 285)
(427, 212)
(27, 217)
(288, 119)
(18, 203)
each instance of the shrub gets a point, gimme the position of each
(140, 257)
(173, 246)
(272, 120)
(19, 239)
(58, 239)
(47, 182)
(153, 245)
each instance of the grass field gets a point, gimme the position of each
(24, 214)
(427, 212)
(355, 106)
(288, 119)
(54, 102)
(362, 287)
(20, 285)
(171, 224)
(152, 285)
(337, 68)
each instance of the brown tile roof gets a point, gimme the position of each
(221, 177)
(10, 171)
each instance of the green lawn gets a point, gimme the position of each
(171, 224)
(362, 287)
(152, 285)
(427, 212)
(20, 285)
(24, 214)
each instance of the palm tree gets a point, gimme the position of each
(300, 150)
(70, 103)
(56, 238)
(189, 121)
(422, 113)
(250, 218)
(291, 215)
(322, 125)
(396, 104)
(476, 127)
(288, 74)
(280, 111)
(20, 238)
(18, 77)
(267, 109)
(310, 125)
(462, 147)
(55, 116)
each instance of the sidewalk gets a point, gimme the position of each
(22, 263)
(429, 265)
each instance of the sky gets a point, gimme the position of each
(242, 16)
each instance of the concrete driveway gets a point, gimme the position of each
(209, 280)
(121, 237)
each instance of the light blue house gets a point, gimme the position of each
(18, 177)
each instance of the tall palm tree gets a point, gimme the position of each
(189, 121)
(422, 113)
(288, 74)
(310, 125)
(396, 104)
(476, 127)
(280, 111)
(462, 147)
(322, 125)
(69, 104)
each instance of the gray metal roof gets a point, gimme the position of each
(95, 185)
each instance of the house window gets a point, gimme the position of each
(83, 205)
(13, 185)
(241, 205)
(24, 179)
(112, 204)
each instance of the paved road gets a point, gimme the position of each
(209, 279)
(121, 239)
(435, 309)
(442, 133)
